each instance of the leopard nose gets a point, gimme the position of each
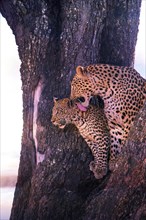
(81, 99)
(62, 121)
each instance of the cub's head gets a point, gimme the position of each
(81, 87)
(61, 112)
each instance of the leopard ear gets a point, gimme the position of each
(80, 71)
(55, 99)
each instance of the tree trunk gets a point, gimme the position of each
(53, 37)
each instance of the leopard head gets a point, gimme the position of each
(88, 82)
(61, 112)
(81, 87)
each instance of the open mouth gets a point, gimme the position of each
(61, 126)
(62, 123)
(81, 107)
(79, 104)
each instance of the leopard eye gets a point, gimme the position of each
(70, 103)
(81, 99)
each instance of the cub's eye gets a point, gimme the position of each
(81, 99)
(70, 103)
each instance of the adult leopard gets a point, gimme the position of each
(93, 127)
(123, 91)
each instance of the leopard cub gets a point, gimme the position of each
(93, 127)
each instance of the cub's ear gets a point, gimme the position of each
(55, 99)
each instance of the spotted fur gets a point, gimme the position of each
(123, 91)
(93, 127)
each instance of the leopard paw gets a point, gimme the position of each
(99, 172)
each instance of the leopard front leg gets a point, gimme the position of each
(118, 138)
(99, 171)
(100, 151)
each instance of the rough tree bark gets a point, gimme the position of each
(53, 37)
